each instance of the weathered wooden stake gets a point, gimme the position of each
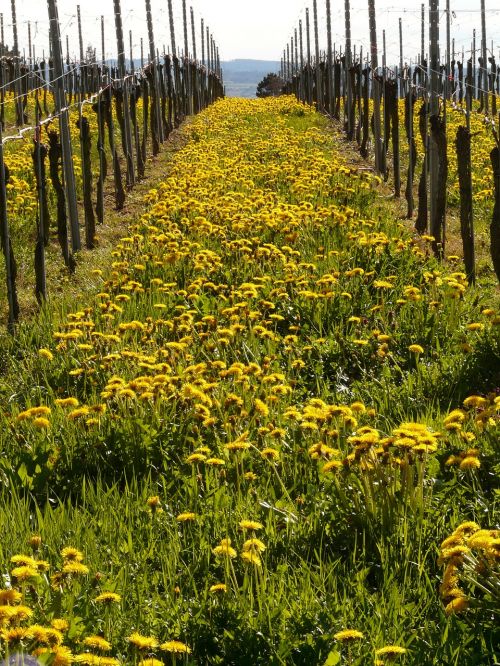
(464, 165)
(10, 263)
(156, 127)
(39, 154)
(319, 96)
(484, 69)
(401, 64)
(495, 222)
(125, 93)
(62, 112)
(80, 36)
(103, 48)
(302, 78)
(348, 66)
(379, 147)
(308, 49)
(436, 214)
(131, 54)
(187, 72)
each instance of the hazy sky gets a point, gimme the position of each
(248, 28)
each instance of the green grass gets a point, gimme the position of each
(277, 267)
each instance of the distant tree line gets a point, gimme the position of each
(270, 86)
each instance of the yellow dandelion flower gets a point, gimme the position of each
(470, 462)
(75, 569)
(47, 635)
(251, 557)
(254, 545)
(347, 635)
(250, 525)
(480, 539)
(20, 613)
(150, 661)
(224, 549)
(16, 635)
(23, 561)
(42, 565)
(62, 656)
(97, 643)
(96, 660)
(153, 502)
(175, 647)
(24, 573)
(241, 443)
(71, 554)
(215, 462)
(66, 402)
(218, 587)
(196, 457)
(77, 413)
(457, 605)
(416, 349)
(10, 597)
(467, 528)
(390, 651)
(143, 642)
(108, 598)
(451, 541)
(270, 454)
(35, 541)
(186, 517)
(454, 554)
(60, 624)
(261, 407)
(46, 353)
(41, 422)
(331, 466)
(476, 401)
(6, 612)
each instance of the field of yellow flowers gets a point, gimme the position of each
(272, 436)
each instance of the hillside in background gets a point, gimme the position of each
(242, 76)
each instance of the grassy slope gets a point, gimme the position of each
(247, 305)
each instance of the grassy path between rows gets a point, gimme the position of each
(250, 445)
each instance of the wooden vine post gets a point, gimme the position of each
(329, 57)
(495, 222)
(194, 68)
(43, 220)
(379, 148)
(309, 68)
(401, 64)
(437, 148)
(484, 69)
(464, 167)
(348, 66)
(175, 60)
(125, 126)
(302, 87)
(39, 156)
(186, 68)
(17, 70)
(319, 95)
(203, 77)
(10, 262)
(62, 112)
(82, 67)
(156, 128)
(86, 147)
